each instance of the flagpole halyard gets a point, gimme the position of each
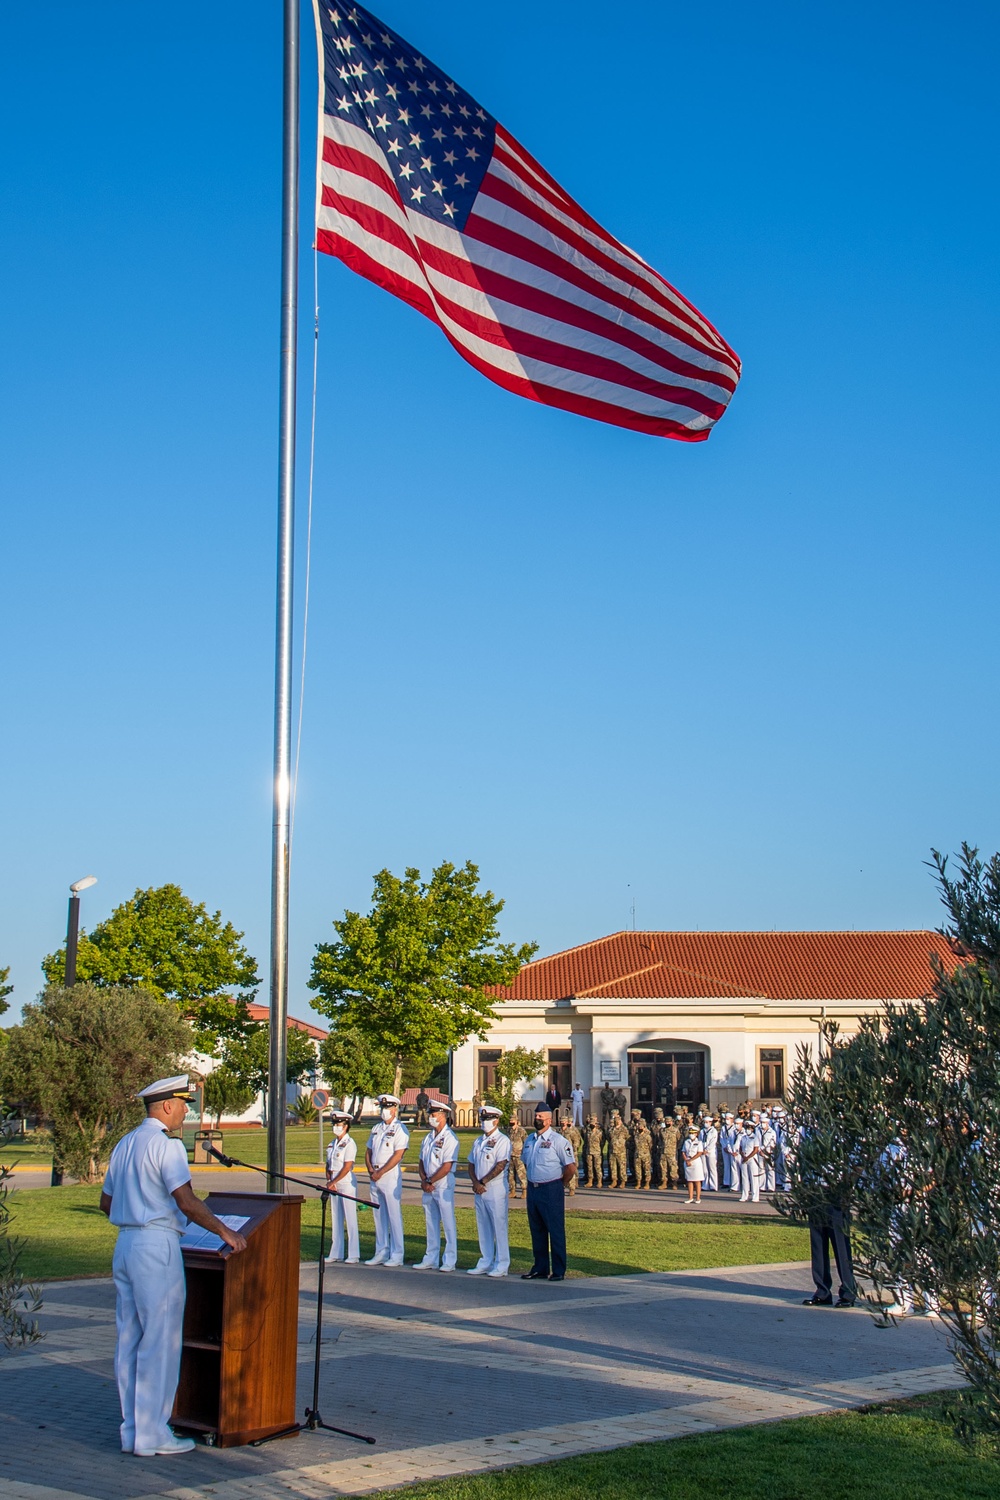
(280, 850)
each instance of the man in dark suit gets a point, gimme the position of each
(553, 1099)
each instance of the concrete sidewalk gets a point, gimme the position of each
(587, 1364)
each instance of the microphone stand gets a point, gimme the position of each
(314, 1417)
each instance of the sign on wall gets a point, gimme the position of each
(611, 1072)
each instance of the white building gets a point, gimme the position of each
(693, 1017)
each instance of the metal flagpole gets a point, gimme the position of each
(283, 631)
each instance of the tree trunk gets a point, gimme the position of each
(397, 1080)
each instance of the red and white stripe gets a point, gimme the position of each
(533, 293)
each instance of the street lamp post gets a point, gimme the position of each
(69, 971)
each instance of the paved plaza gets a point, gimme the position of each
(454, 1375)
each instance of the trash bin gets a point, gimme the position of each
(203, 1139)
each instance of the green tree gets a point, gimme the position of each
(247, 1056)
(79, 1057)
(354, 1069)
(226, 1094)
(517, 1065)
(902, 1124)
(415, 974)
(5, 989)
(164, 943)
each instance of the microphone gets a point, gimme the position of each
(227, 1161)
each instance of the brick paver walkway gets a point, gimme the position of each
(591, 1363)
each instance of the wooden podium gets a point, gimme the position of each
(237, 1381)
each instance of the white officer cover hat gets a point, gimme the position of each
(166, 1088)
(388, 1099)
(339, 1116)
(439, 1104)
(489, 1112)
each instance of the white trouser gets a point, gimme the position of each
(750, 1176)
(439, 1213)
(577, 1112)
(344, 1214)
(711, 1171)
(387, 1193)
(149, 1313)
(768, 1176)
(491, 1225)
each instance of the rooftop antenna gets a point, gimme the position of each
(628, 887)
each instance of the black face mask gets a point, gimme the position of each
(539, 1123)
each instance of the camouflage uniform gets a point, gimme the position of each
(617, 1151)
(607, 1105)
(518, 1176)
(575, 1139)
(656, 1130)
(633, 1125)
(642, 1146)
(593, 1153)
(669, 1170)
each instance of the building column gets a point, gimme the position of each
(583, 1059)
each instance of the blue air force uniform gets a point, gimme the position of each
(546, 1154)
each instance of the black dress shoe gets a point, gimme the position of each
(818, 1302)
(533, 1275)
(554, 1277)
(844, 1302)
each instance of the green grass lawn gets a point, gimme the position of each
(67, 1235)
(301, 1145)
(906, 1449)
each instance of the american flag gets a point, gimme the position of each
(423, 192)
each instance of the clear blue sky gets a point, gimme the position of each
(749, 682)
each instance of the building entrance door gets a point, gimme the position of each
(662, 1080)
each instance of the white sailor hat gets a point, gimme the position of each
(166, 1088)
(439, 1104)
(389, 1099)
(339, 1116)
(489, 1112)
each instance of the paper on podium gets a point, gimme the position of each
(196, 1238)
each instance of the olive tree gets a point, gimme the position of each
(79, 1057)
(901, 1124)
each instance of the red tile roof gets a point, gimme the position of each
(262, 1013)
(734, 965)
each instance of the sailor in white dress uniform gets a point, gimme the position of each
(577, 1098)
(341, 1154)
(748, 1146)
(768, 1152)
(438, 1160)
(386, 1147)
(147, 1193)
(489, 1163)
(710, 1141)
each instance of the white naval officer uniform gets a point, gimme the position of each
(768, 1151)
(710, 1141)
(387, 1194)
(693, 1152)
(730, 1164)
(487, 1152)
(577, 1097)
(437, 1148)
(146, 1167)
(748, 1146)
(343, 1151)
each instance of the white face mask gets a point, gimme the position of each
(488, 1126)
(388, 1115)
(340, 1130)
